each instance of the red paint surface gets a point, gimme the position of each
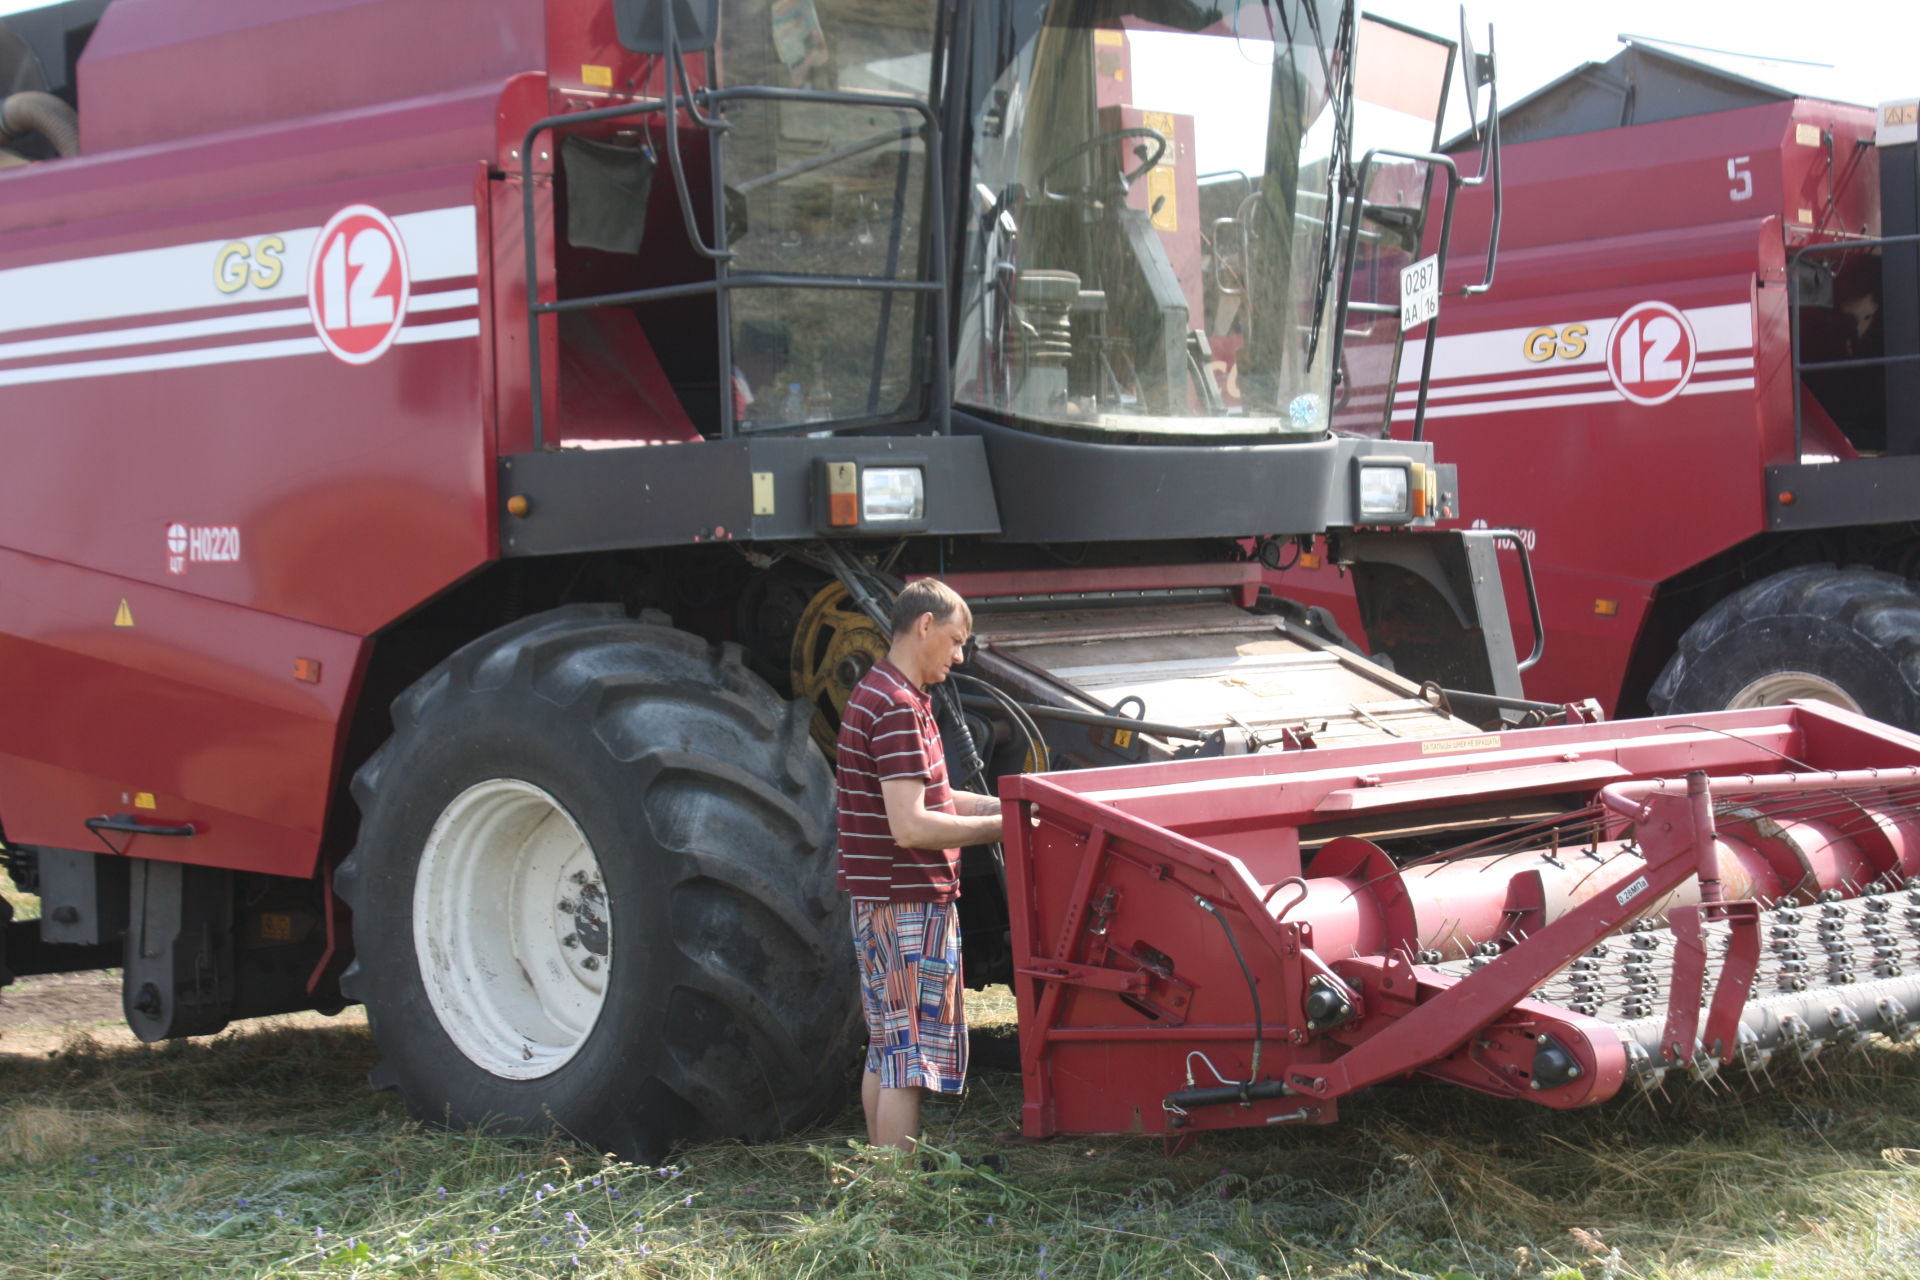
(1621, 495)
(1123, 977)
(354, 492)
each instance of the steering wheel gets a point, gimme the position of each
(1127, 177)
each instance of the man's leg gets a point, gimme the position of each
(898, 1118)
(870, 1103)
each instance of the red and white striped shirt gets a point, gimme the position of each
(886, 733)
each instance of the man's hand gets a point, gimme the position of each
(914, 826)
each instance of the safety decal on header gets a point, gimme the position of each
(201, 544)
(1445, 746)
(1650, 353)
(357, 284)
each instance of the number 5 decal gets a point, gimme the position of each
(1742, 178)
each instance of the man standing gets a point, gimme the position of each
(901, 830)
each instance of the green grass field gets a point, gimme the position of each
(263, 1154)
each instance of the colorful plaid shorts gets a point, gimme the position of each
(910, 987)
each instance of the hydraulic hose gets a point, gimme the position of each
(1253, 991)
(32, 111)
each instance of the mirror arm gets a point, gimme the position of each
(1489, 174)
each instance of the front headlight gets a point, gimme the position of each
(1386, 490)
(892, 493)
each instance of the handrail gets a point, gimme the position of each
(724, 282)
(1800, 366)
(1454, 183)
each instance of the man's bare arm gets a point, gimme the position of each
(914, 826)
(971, 804)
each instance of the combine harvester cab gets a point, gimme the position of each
(1560, 914)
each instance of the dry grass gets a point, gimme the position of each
(262, 1155)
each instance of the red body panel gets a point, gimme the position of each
(177, 435)
(1697, 214)
(1130, 995)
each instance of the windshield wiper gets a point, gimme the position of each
(1336, 161)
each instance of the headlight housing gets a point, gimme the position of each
(891, 495)
(1384, 490)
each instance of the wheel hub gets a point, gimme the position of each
(1779, 687)
(512, 928)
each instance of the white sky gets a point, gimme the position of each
(1874, 45)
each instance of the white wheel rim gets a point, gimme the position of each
(511, 929)
(1782, 686)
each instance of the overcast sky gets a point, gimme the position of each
(1874, 45)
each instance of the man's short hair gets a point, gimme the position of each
(927, 595)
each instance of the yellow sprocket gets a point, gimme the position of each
(834, 645)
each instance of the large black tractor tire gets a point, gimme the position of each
(1848, 636)
(593, 893)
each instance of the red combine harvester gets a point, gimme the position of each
(1697, 388)
(447, 500)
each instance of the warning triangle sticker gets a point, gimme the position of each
(124, 616)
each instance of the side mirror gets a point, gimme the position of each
(663, 26)
(1476, 72)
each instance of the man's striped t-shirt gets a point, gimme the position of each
(886, 733)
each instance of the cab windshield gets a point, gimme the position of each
(1152, 252)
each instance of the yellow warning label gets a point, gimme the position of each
(1161, 122)
(1441, 746)
(1807, 135)
(1165, 209)
(123, 617)
(599, 77)
(1106, 35)
(144, 800)
(1123, 738)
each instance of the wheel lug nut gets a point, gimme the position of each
(571, 940)
(590, 962)
(564, 907)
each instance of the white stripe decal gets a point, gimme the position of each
(283, 318)
(441, 245)
(1405, 401)
(1726, 327)
(201, 356)
(1553, 402)
(448, 299)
